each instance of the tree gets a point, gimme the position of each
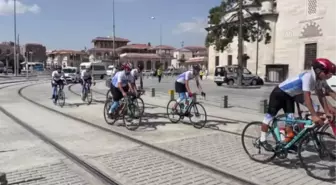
(222, 32)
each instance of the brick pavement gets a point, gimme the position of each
(102, 149)
(27, 160)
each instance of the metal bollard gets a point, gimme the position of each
(172, 94)
(153, 92)
(225, 103)
(263, 106)
(194, 97)
(3, 179)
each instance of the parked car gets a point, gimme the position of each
(110, 70)
(229, 75)
(332, 83)
(71, 74)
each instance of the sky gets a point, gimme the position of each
(72, 24)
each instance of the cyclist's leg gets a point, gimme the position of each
(83, 85)
(54, 89)
(289, 110)
(181, 90)
(275, 104)
(117, 96)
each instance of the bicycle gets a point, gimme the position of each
(307, 134)
(183, 109)
(127, 109)
(60, 96)
(87, 94)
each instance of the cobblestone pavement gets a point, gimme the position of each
(225, 151)
(122, 159)
(27, 160)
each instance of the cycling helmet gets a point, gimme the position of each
(127, 66)
(323, 65)
(196, 68)
(140, 66)
(58, 68)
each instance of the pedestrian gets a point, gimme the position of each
(159, 74)
(206, 74)
(201, 73)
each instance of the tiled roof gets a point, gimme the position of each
(135, 46)
(197, 59)
(139, 56)
(183, 50)
(195, 48)
(117, 39)
(63, 51)
(164, 47)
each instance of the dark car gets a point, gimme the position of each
(229, 75)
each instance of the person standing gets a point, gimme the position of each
(159, 74)
(201, 73)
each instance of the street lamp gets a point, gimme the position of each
(114, 37)
(15, 56)
(153, 18)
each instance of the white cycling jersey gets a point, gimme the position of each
(57, 76)
(120, 77)
(188, 75)
(305, 81)
(86, 75)
(134, 75)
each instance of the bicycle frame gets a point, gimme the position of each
(297, 137)
(191, 101)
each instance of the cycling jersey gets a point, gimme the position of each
(305, 81)
(85, 75)
(134, 75)
(120, 77)
(56, 76)
(188, 75)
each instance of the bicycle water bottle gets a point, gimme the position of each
(282, 134)
(289, 128)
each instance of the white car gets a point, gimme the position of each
(110, 70)
(332, 83)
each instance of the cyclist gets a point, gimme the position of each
(135, 74)
(120, 86)
(57, 79)
(283, 97)
(182, 84)
(86, 78)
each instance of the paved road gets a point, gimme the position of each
(240, 98)
(129, 162)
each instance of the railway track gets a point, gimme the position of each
(176, 156)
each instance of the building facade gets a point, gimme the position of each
(151, 57)
(103, 47)
(301, 30)
(65, 58)
(34, 52)
(189, 55)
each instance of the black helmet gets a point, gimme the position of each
(140, 66)
(196, 67)
(58, 68)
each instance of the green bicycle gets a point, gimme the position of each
(307, 140)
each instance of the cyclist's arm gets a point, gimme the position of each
(330, 92)
(198, 84)
(323, 100)
(307, 88)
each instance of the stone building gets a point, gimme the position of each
(301, 30)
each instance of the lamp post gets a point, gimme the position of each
(153, 18)
(114, 37)
(240, 42)
(15, 56)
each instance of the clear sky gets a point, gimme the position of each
(72, 24)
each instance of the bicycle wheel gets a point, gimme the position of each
(140, 103)
(132, 116)
(251, 140)
(173, 114)
(61, 98)
(108, 94)
(315, 158)
(88, 97)
(108, 119)
(198, 111)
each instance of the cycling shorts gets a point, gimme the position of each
(116, 93)
(280, 100)
(180, 87)
(57, 82)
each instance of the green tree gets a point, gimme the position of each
(222, 32)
